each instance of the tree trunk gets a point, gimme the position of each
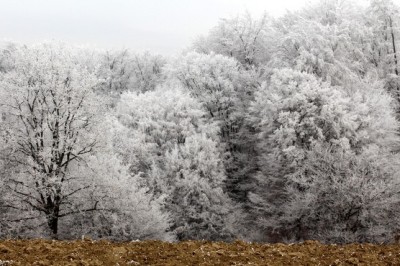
(394, 46)
(52, 221)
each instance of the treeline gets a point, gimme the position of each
(265, 130)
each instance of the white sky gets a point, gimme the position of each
(159, 26)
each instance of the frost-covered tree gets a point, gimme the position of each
(59, 173)
(217, 82)
(49, 107)
(126, 209)
(295, 113)
(225, 90)
(382, 18)
(166, 139)
(153, 122)
(242, 37)
(122, 71)
(340, 197)
(200, 208)
(6, 58)
(327, 40)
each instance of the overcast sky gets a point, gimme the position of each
(159, 26)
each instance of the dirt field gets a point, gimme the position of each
(87, 252)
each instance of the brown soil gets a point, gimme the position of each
(88, 252)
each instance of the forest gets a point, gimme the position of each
(265, 129)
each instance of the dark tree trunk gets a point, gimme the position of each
(394, 46)
(52, 221)
(53, 208)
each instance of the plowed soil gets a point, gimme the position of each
(88, 252)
